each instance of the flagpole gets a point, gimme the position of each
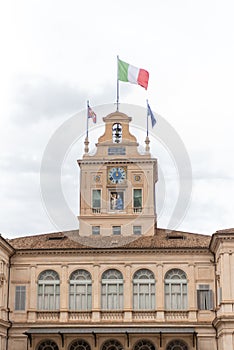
(117, 100)
(87, 122)
(147, 132)
(147, 141)
(86, 142)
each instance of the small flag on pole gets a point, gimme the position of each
(131, 74)
(150, 113)
(92, 114)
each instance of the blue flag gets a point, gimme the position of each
(150, 113)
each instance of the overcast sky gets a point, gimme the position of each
(56, 54)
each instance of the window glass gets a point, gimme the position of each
(175, 290)
(177, 345)
(79, 345)
(204, 297)
(144, 290)
(112, 345)
(48, 345)
(116, 200)
(48, 290)
(137, 230)
(116, 230)
(20, 297)
(112, 290)
(96, 199)
(95, 230)
(137, 199)
(144, 345)
(80, 296)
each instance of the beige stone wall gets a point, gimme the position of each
(5, 252)
(222, 245)
(26, 269)
(105, 217)
(94, 170)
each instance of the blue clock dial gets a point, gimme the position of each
(117, 175)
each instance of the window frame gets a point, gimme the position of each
(96, 208)
(20, 298)
(78, 343)
(205, 298)
(81, 298)
(116, 230)
(112, 290)
(137, 230)
(47, 343)
(176, 290)
(46, 300)
(137, 208)
(98, 230)
(117, 206)
(143, 343)
(144, 290)
(177, 343)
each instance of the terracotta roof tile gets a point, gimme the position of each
(228, 230)
(172, 239)
(71, 240)
(54, 240)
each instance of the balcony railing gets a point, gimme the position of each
(51, 316)
(80, 316)
(112, 316)
(137, 210)
(127, 210)
(144, 315)
(120, 315)
(176, 315)
(96, 210)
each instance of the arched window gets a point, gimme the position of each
(117, 133)
(48, 290)
(112, 345)
(143, 290)
(112, 290)
(79, 345)
(80, 290)
(177, 345)
(175, 290)
(48, 345)
(144, 345)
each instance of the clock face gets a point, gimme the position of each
(117, 175)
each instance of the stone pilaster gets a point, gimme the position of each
(127, 294)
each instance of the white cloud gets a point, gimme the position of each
(57, 54)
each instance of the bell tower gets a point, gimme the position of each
(117, 184)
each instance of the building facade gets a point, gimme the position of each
(119, 282)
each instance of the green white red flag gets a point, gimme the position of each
(132, 74)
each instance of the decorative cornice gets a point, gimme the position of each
(108, 251)
(6, 246)
(21, 282)
(220, 237)
(117, 161)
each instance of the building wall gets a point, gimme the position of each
(27, 267)
(222, 245)
(200, 266)
(5, 252)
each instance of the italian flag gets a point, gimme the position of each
(131, 74)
